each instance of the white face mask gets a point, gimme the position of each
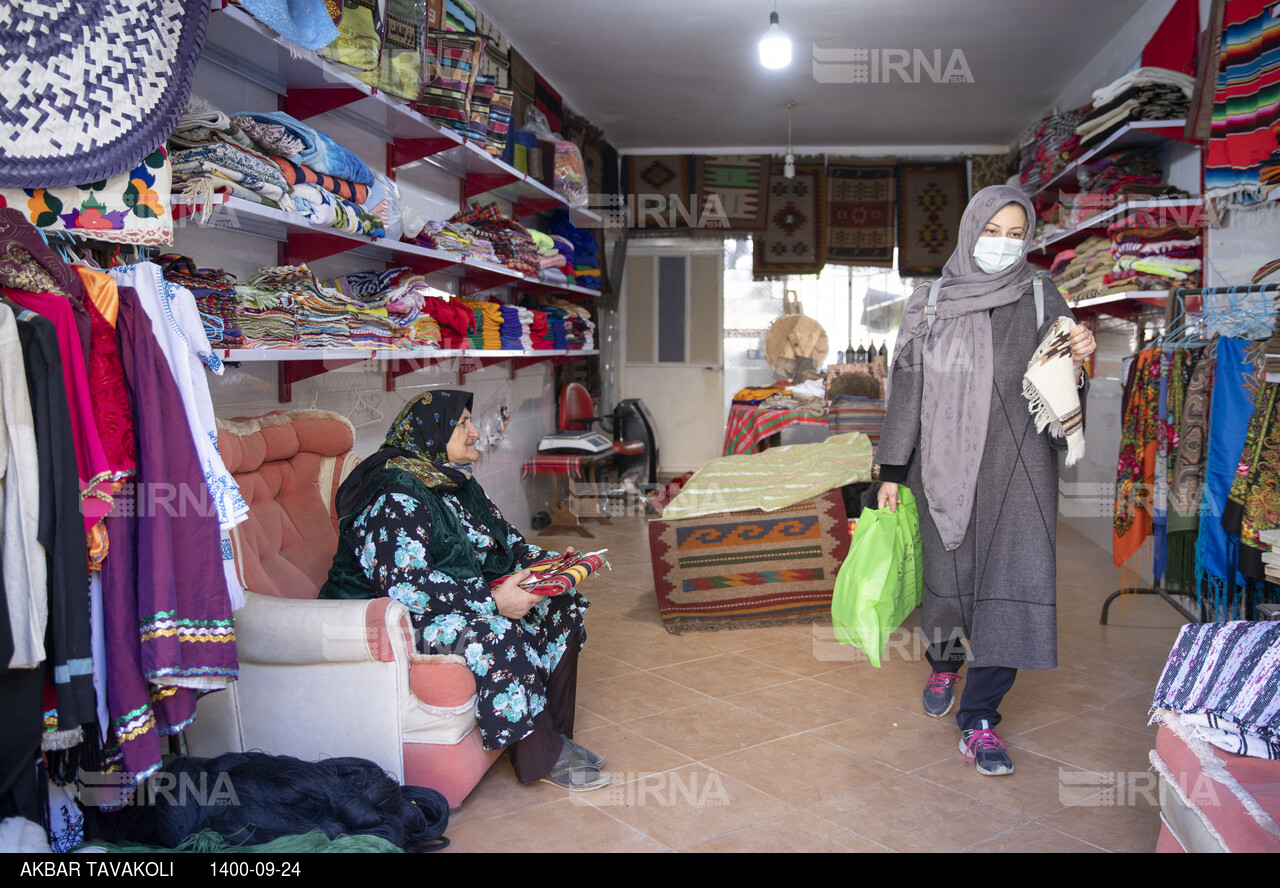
(995, 254)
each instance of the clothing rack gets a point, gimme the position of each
(1195, 316)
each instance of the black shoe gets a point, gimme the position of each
(582, 753)
(987, 750)
(938, 697)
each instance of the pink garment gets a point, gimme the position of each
(91, 458)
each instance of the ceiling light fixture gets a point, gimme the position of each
(775, 45)
(789, 162)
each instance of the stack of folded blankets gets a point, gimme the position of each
(1049, 148)
(215, 293)
(511, 241)
(1152, 253)
(579, 330)
(459, 238)
(1142, 94)
(518, 329)
(266, 314)
(1113, 179)
(322, 314)
(275, 160)
(1079, 272)
(555, 256)
(1271, 556)
(586, 251)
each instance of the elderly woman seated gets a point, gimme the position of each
(416, 526)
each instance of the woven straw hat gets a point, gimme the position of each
(794, 336)
(90, 87)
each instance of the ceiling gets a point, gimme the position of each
(684, 75)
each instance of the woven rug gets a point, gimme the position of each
(931, 199)
(658, 191)
(794, 239)
(732, 190)
(860, 201)
(749, 569)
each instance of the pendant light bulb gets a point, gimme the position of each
(775, 45)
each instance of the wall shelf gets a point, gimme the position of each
(1134, 134)
(303, 242)
(297, 364)
(310, 86)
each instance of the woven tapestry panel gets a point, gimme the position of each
(860, 223)
(931, 199)
(794, 239)
(749, 568)
(732, 190)
(658, 190)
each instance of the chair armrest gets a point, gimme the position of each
(291, 631)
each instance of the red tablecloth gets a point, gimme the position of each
(748, 425)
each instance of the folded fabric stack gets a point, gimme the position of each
(457, 237)
(487, 334)
(323, 314)
(326, 182)
(517, 328)
(579, 331)
(1143, 94)
(556, 331)
(1152, 253)
(266, 315)
(586, 252)
(1050, 147)
(455, 321)
(1271, 557)
(223, 168)
(1080, 276)
(1110, 180)
(511, 241)
(215, 293)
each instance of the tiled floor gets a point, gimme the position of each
(773, 739)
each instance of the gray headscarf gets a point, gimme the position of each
(958, 366)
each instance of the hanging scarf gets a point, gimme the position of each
(1229, 416)
(958, 361)
(1135, 472)
(1254, 502)
(417, 443)
(1188, 410)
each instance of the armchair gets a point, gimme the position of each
(327, 678)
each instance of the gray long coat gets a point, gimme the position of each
(998, 588)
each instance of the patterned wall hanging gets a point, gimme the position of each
(92, 88)
(658, 192)
(794, 239)
(860, 223)
(931, 199)
(732, 190)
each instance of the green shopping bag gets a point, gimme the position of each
(881, 580)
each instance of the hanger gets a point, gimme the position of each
(376, 416)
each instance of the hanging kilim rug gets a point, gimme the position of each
(658, 191)
(860, 228)
(731, 190)
(794, 240)
(931, 199)
(749, 569)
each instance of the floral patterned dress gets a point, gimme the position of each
(512, 659)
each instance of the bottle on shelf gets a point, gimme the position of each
(882, 358)
(861, 356)
(848, 354)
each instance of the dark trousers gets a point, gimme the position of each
(984, 688)
(535, 755)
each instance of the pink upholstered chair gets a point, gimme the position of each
(327, 678)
